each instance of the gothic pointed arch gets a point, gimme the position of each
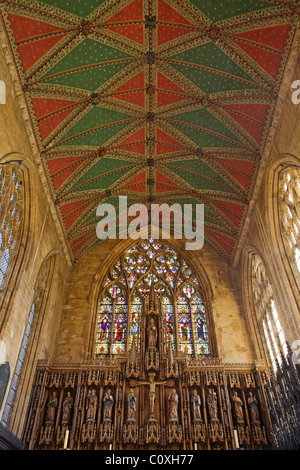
(152, 277)
(286, 211)
(16, 222)
(282, 197)
(30, 347)
(263, 318)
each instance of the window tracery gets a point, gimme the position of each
(266, 311)
(39, 294)
(289, 212)
(11, 218)
(151, 267)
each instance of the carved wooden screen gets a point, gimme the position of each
(11, 218)
(151, 266)
(266, 311)
(289, 213)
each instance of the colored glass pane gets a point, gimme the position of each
(167, 278)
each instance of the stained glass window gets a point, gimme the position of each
(119, 326)
(11, 217)
(266, 311)
(289, 212)
(151, 266)
(136, 309)
(40, 290)
(167, 310)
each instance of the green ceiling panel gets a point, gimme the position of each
(96, 118)
(223, 9)
(199, 181)
(93, 218)
(204, 138)
(198, 166)
(77, 7)
(211, 56)
(211, 82)
(102, 174)
(203, 118)
(209, 215)
(87, 53)
(95, 138)
(89, 79)
(103, 181)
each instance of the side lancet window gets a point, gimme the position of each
(39, 293)
(11, 218)
(266, 312)
(151, 267)
(289, 212)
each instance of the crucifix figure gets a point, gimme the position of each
(152, 392)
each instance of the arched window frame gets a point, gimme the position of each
(204, 290)
(289, 214)
(24, 245)
(29, 349)
(267, 322)
(11, 218)
(285, 262)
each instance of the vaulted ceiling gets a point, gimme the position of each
(165, 101)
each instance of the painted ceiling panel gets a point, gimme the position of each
(165, 101)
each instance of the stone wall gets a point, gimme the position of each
(80, 307)
(264, 234)
(41, 239)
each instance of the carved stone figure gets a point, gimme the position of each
(152, 334)
(66, 408)
(212, 405)
(91, 405)
(253, 407)
(196, 406)
(108, 402)
(51, 408)
(131, 405)
(173, 406)
(237, 406)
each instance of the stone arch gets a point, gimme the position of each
(25, 243)
(205, 287)
(286, 265)
(257, 305)
(29, 353)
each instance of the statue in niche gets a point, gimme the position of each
(91, 405)
(173, 405)
(66, 408)
(108, 402)
(196, 406)
(51, 408)
(131, 405)
(237, 406)
(152, 334)
(253, 407)
(212, 405)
